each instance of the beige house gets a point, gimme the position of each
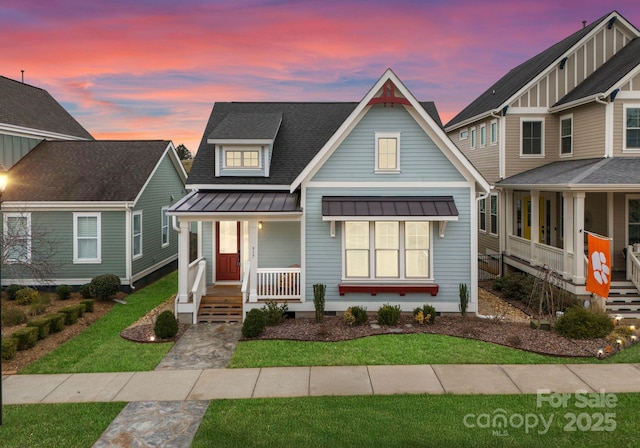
(558, 138)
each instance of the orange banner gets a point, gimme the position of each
(599, 272)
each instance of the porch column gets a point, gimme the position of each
(578, 240)
(183, 262)
(535, 224)
(568, 230)
(506, 221)
(253, 260)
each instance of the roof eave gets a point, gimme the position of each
(578, 102)
(240, 141)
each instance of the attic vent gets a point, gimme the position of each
(563, 62)
(612, 20)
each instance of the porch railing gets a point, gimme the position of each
(196, 287)
(519, 247)
(246, 282)
(278, 283)
(549, 256)
(633, 267)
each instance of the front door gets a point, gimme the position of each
(228, 250)
(544, 217)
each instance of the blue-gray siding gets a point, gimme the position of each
(208, 235)
(279, 244)
(13, 148)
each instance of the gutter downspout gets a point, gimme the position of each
(478, 199)
(127, 250)
(608, 125)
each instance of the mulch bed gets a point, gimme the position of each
(143, 333)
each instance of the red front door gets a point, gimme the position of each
(228, 250)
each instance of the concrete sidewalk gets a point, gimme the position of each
(211, 384)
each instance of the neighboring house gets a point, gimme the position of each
(29, 115)
(559, 138)
(76, 209)
(371, 199)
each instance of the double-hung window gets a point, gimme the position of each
(17, 238)
(494, 132)
(632, 128)
(473, 138)
(483, 135)
(566, 135)
(387, 157)
(482, 218)
(242, 159)
(164, 230)
(532, 142)
(386, 250)
(87, 238)
(136, 227)
(493, 211)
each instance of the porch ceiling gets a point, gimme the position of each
(584, 174)
(239, 202)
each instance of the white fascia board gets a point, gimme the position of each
(257, 216)
(390, 218)
(260, 187)
(238, 141)
(468, 121)
(173, 155)
(21, 131)
(575, 103)
(59, 205)
(573, 187)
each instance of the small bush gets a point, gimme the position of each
(425, 314)
(38, 308)
(581, 323)
(515, 286)
(26, 337)
(360, 315)
(388, 314)
(43, 325)
(9, 348)
(11, 291)
(56, 322)
(103, 287)
(13, 316)
(273, 313)
(348, 317)
(27, 296)
(166, 325)
(85, 291)
(254, 324)
(318, 300)
(81, 309)
(64, 292)
(88, 305)
(70, 314)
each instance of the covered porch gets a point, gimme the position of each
(248, 241)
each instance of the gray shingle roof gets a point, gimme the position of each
(96, 170)
(608, 75)
(304, 130)
(31, 107)
(600, 171)
(248, 126)
(496, 95)
(392, 206)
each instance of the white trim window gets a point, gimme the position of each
(473, 137)
(493, 214)
(464, 134)
(87, 245)
(164, 226)
(483, 135)
(136, 234)
(493, 133)
(531, 137)
(241, 158)
(482, 215)
(17, 238)
(566, 135)
(387, 152)
(631, 127)
(387, 250)
(633, 219)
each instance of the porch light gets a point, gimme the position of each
(634, 338)
(619, 342)
(600, 353)
(152, 338)
(618, 319)
(632, 327)
(259, 225)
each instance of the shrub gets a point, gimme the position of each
(464, 299)
(318, 301)
(88, 305)
(11, 291)
(515, 286)
(388, 314)
(43, 325)
(273, 313)
(27, 296)
(13, 316)
(63, 292)
(81, 309)
(166, 325)
(581, 323)
(9, 348)
(70, 314)
(425, 314)
(85, 291)
(348, 317)
(38, 308)
(56, 322)
(254, 324)
(360, 315)
(104, 286)
(26, 337)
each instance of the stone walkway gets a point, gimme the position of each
(174, 423)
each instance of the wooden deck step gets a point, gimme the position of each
(220, 309)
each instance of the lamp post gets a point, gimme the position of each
(3, 184)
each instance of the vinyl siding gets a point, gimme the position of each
(13, 148)
(208, 251)
(263, 153)
(279, 244)
(485, 159)
(514, 163)
(164, 185)
(589, 131)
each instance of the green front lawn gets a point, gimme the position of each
(100, 348)
(414, 421)
(396, 349)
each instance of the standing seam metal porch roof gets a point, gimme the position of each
(239, 202)
(389, 206)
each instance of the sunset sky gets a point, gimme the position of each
(152, 69)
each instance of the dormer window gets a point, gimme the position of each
(241, 158)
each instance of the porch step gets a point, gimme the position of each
(220, 309)
(624, 299)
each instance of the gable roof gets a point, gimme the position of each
(32, 108)
(500, 93)
(79, 171)
(304, 130)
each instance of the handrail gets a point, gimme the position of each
(245, 281)
(199, 287)
(634, 265)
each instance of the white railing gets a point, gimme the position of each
(633, 267)
(246, 284)
(279, 283)
(519, 247)
(549, 256)
(199, 287)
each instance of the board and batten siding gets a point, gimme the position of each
(279, 244)
(164, 189)
(13, 148)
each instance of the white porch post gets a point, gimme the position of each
(535, 224)
(567, 232)
(253, 260)
(578, 240)
(183, 262)
(506, 221)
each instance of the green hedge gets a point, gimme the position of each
(71, 314)
(9, 348)
(43, 325)
(56, 322)
(26, 337)
(88, 305)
